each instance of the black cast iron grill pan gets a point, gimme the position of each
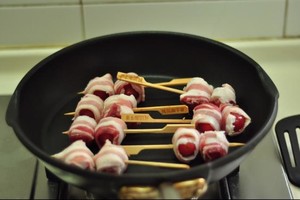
(49, 89)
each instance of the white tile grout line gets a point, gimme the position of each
(285, 18)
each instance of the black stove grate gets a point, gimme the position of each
(224, 189)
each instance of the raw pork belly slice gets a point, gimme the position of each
(234, 120)
(82, 128)
(111, 159)
(116, 105)
(207, 117)
(110, 128)
(77, 154)
(185, 144)
(223, 95)
(102, 87)
(197, 91)
(123, 87)
(90, 105)
(213, 145)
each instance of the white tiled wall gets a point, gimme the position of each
(293, 18)
(215, 19)
(40, 25)
(62, 22)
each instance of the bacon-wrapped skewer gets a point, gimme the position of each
(207, 117)
(116, 105)
(110, 128)
(186, 144)
(111, 159)
(234, 120)
(90, 105)
(77, 154)
(82, 128)
(197, 91)
(102, 87)
(223, 95)
(124, 87)
(213, 145)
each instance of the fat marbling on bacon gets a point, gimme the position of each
(82, 128)
(123, 87)
(186, 144)
(234, 120)
(207, 117)
(102, 87)
(110, 128)
(90, 105)
(119, 104)
(223, 95)
(197, 91)
(213, 145)
(77, 154)
(111, 159)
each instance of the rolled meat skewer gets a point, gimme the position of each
(90, 105)
(124, 87)
(111, 159)
(119, 104)
(82, 128)
(186, 144)
(234, 120)
(213, 145)
(102, 87)
(223, 95)
(207, 117)
(197, 91)
(110, 128)
(77, 154)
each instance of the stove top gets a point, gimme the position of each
(260, 176)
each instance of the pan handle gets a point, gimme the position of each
(194, 188)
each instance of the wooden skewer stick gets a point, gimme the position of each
(136, 149)
(70, 113)
(141, 81)
(169, 128)
(164, 110)
(158, 164)
(146, 118)
(175, 81)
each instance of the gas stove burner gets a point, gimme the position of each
(224, 189)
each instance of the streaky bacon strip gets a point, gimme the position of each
(77, 154)
(197, 91)
(89, 105)
(207, 117)
(82, 128)
(111, 159)
(110, 128)
(102, 87)
(119, 104)
(213, 145)
(185, 144)
(234, 120)
(123, 87)
(223, 95)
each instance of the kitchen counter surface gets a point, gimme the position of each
(279, 58)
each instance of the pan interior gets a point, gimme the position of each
(51, 87)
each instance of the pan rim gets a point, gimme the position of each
(44, 157)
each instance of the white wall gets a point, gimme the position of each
(62, 22)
